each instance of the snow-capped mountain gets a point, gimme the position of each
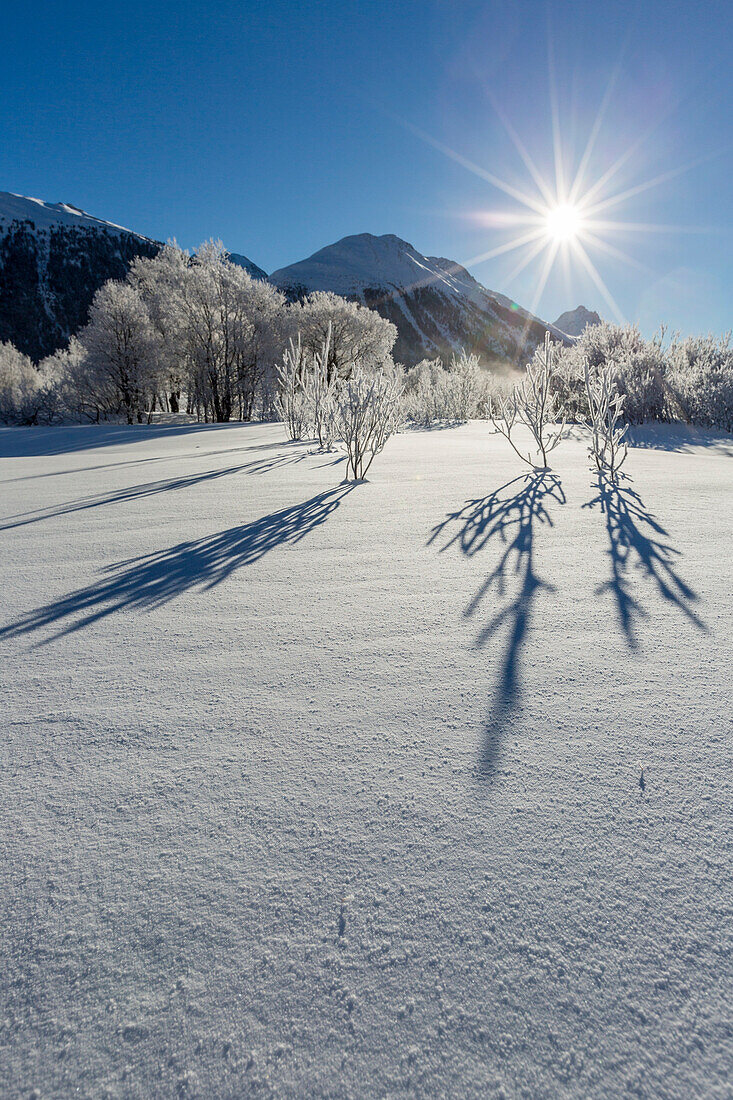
(437, 306)
(574, 321)
(249, 266)
(53, 258)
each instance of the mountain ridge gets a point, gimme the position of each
(55, 256)
(437, 305)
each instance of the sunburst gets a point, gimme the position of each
(565, 217)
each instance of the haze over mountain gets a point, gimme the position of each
(54, 257)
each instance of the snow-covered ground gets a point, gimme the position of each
(318, 791)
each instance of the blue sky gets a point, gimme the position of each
(281, 127)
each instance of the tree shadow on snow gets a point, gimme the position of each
(510, 515)
(153, 579)
(150, 488)
(636, 539)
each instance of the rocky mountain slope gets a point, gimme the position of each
(437, 306)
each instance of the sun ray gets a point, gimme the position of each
(533, 251)
(647, 185)
(560, 196)
(617, 253)
(510, 246)
(482, 173)
(519, 146)
(601, 286)
(545, 274)
(593, 137)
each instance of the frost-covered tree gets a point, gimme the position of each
(119, 351)
(231, 328)
(359, 336)
(700, 380)
(605, 420)
(367, 411)
(21, 388)
(639, 369)
(160, 283)
(291, 403)
(534, 404)
(319, 390)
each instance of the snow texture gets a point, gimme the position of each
(418, 787)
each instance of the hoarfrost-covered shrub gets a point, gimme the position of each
(700, 380)
(462, 391)
(291, 402)
(639, 368)
(534, 403)
(605, 420)
(319, 389)
(367, 412)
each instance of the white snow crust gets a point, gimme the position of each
(316, 791)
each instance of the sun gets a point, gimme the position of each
(563, 222)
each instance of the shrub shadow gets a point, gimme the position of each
(511, 515)
(636, 539)
(150, 488)
(154, 579)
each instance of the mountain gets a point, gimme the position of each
(53, 258)
(437, 306)
(575, 320)
(249, 266)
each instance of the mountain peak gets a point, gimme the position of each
(436, 304)
(575, 321)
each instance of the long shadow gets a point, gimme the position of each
(636, 540)
(150, 488)
(511, 515)
(154, 579)
(37, 442)
(148, 460)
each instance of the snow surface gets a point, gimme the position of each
(318, 791)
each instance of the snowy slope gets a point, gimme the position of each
(249, 266)
(45, 215)
(437, 305)
(574, 321)
(315, 792)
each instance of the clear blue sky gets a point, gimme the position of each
(281, 127)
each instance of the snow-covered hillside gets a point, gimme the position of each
(437, 305)
(249, 266)
(44, 215)
(53, 258)
(309, 790)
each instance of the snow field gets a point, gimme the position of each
(315, 790)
